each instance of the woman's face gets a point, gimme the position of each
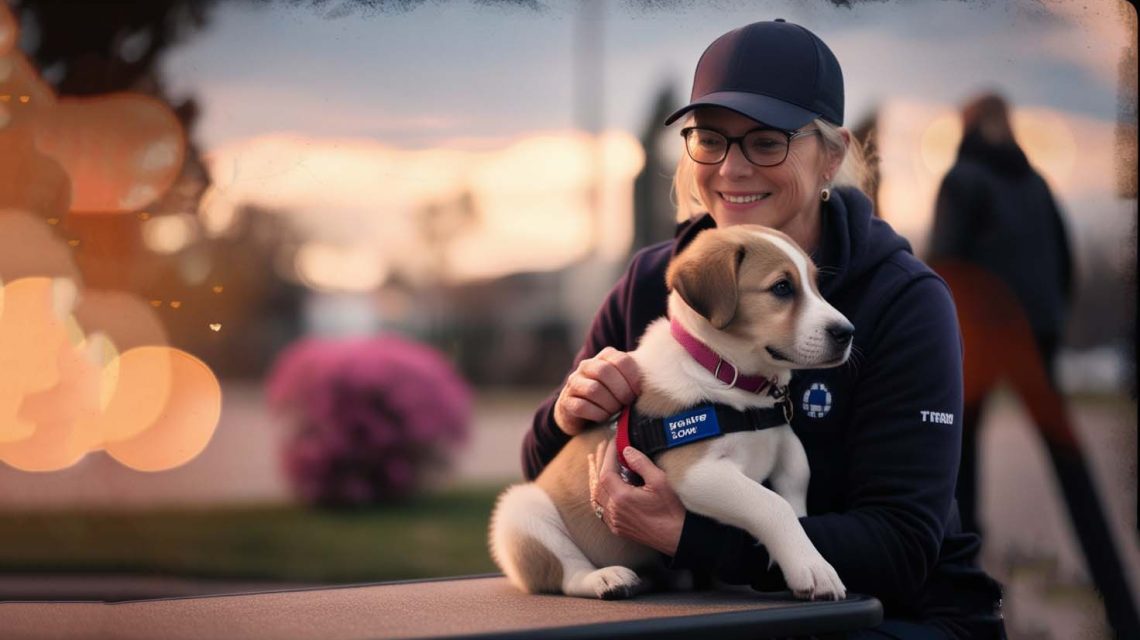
(785, 197)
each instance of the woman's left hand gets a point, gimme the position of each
(651, 514)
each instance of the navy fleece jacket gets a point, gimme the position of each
(882, 433)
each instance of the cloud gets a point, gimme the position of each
(236, 111)
(948, 51)
(531, 198)
(1074, 153)
(475, 72)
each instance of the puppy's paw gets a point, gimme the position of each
(814, 579)
(614, 583)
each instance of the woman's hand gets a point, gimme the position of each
(596, 390)
(651, 514)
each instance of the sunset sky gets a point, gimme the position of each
(351, 122)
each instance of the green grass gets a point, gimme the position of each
(436, 535)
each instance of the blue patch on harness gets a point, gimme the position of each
(692, 425)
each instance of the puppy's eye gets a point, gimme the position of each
(783, 289)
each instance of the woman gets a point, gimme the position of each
(764, 145)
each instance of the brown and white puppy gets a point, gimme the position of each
(748, 293)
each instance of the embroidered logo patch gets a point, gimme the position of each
(817, 400)
(937, 417)
(696, 424)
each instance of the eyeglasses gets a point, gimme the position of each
(763, 147)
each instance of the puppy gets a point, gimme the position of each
(748, 295)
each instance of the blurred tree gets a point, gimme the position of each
(866, 133)
(86, 48)
(235, 311)
(653, 211)
(440, 224)
(94, 48)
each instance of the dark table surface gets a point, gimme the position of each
(485, 606)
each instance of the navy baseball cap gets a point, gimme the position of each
(777, 73)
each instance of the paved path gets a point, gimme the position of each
(1030, 545)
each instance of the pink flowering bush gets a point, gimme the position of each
(372, 417)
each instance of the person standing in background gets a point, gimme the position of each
(996, 212)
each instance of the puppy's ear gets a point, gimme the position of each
(704, 275)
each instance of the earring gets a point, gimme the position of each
(825, 194)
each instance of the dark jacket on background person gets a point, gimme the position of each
(882, 433)
(995, 211)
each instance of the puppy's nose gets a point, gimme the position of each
(841, 332)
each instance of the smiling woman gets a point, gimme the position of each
(880, 507)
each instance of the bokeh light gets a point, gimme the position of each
(122, 152)
(31, 335)
(67, 389)
(169, 233)
(939, 143)
(29, 247)
(1049, 141)
(330, 268)
(188, 418)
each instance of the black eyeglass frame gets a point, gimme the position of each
(739, 141)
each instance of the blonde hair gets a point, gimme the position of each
(853, 172)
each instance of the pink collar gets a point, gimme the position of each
(722, 369)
